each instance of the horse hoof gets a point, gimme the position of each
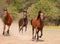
(19, 31)
(7, 34)
(25, 30)
(3, 33)
(32, 39)
(37, 40)
(40, 36)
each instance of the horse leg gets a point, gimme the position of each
(41, 33)
(8, 30)
(37, 35)
(21, 29)
(4, 29)
(32, 33)
(25, 28)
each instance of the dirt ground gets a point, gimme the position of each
(51, 35)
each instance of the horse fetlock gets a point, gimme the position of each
(8, 32)
(25, 30)
(3, 33)
(37, 38)
(40, 36)
(33, 38)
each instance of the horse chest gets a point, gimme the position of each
(37, 23)
(7, 20)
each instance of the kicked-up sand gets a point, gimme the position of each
(51, 35)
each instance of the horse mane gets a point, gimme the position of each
(38, 17)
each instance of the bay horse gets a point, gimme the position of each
(7, 20)
(23, 22)
(37, 23)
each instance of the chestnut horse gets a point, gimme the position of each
(37, 23)
(7, 20)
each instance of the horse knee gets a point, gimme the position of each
(3, 33)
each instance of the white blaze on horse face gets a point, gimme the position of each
(42, 15)
(24, 14)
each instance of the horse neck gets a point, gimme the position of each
(7, 16)
(40, 19)
(26, 17)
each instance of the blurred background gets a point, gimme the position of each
(51, 9)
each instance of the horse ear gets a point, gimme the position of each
(5, 9)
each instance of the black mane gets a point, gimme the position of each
(38, 15)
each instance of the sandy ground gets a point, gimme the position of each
(50, 35)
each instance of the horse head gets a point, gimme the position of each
(40, 15)
(25, 14)
(5, 12)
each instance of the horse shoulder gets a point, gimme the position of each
(37, 22)
(34, 22)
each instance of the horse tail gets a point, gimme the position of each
(31, 21)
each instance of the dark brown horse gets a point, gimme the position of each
(23, 22)
(37, 23)
(7, 20)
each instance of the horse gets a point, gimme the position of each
(37, 25)
(23, 23)
(7, 21)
